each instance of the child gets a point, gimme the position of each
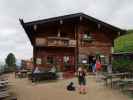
(82, 80)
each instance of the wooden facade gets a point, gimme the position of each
(26, 64)
(66, 41)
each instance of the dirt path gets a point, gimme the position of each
(25, 90)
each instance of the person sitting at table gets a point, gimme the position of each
(36, 70)
(35, 74)
(53, 69)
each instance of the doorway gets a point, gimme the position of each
(91, 61)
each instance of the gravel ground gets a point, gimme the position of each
(25, 90)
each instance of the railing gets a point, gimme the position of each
(56, 41)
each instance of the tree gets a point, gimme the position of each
(11, 61)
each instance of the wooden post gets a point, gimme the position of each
(34, 56)
(110, 58)
(76, 49)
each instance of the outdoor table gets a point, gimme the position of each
(118, 75)
(113, 75)
(127, 81)
(43, 76)
(130, 89)
(23, 73)
(127, 85)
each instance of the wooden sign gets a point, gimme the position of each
(41, 41)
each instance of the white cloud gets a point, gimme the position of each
(13, 38)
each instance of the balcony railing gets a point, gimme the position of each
(55, 41)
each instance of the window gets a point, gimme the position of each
(82, 58)
(66, 59)
(38, 61)
(87, 36)
(104, 59)
(50, 60)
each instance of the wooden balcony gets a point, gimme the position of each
(55, 42)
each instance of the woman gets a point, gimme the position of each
(82, 80)
(98, 69)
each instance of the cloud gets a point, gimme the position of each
(13, 38)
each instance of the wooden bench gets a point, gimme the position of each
(4, 94)
(4, 89)
(128, 88)
(42, 76)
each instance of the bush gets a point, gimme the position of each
(122, 65)
(104, 68)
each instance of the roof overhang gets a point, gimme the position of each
(76, 17)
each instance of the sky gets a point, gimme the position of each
(14, 39)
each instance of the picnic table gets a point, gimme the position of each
(42, 76)
(128, 80)
(127, 85)
(21, 73)
(3, 89)
(110, 77)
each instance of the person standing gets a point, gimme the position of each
(98, 69)
(93, 65)
(82, 80)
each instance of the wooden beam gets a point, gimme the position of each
(34, 56)
(76, 49)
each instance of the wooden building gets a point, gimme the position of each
(68, 40)
(27, 64)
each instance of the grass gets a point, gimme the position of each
(124, 43)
